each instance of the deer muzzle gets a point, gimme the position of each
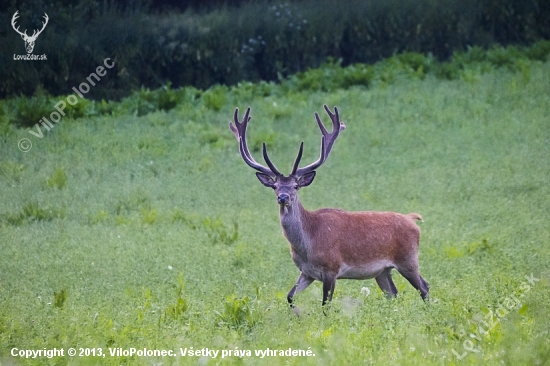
(283, 199)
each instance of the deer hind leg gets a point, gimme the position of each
(412, 275)
(425, 284)
(385, 283)
(301, 284)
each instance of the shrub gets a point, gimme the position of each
(449, 71)
(504, 57)
(214, 98)
(146, 101)
(31, 109)
(539, 50)
(415, 63)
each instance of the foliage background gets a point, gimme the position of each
(259, 40)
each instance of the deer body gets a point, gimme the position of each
(330, 244)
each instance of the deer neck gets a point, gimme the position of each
(294, 219)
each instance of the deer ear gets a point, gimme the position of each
(306, 179)
(265, 179)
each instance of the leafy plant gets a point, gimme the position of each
(99, 217)
(148, 216)
(11, 170)
(58, 179)
(32, 212)
(135, 201)
(238, 313)
(60, 298)
(217, 231)
(188, 219)
(175, 311)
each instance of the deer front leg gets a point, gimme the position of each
(301, 284)
(329, 282)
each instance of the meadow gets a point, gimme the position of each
(149, 231)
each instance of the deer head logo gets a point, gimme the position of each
(29, 40)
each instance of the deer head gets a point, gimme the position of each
(286, 187)
(29, 40)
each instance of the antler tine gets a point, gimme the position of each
(327, 140)
(251, 162)
(336, 125)
(316, 164)
(239, 130)
(232, 127)
(268, 161)
(298, 158)
(320, 124)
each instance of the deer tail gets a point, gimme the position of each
(415, 216)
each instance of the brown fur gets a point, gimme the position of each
(372, 242)
(360, 237)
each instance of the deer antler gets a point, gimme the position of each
(327, 140)
(239, 130)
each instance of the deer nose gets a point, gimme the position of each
(283, 199)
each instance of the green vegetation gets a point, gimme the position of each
(258, 40)
(331, 76)
(144, 228)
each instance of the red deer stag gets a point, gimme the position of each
(330, 244)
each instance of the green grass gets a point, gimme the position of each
(151, 232)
